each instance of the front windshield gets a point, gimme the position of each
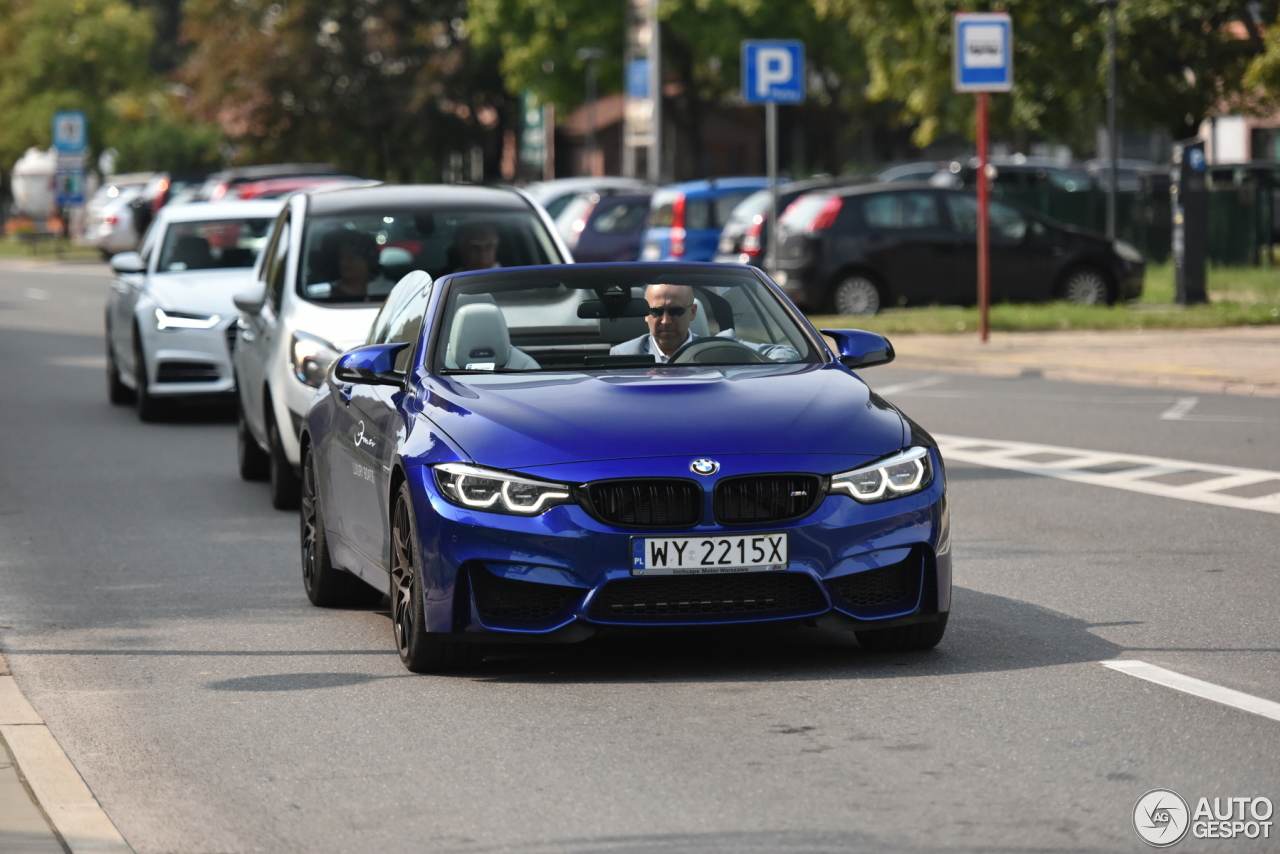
(215, 244)
(358, 257)
(573, 319)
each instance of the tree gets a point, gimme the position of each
(386, 88)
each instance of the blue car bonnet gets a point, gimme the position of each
(511, 421)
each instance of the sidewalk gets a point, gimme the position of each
(1235, 360)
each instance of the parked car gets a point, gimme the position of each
(1016, 172)
(685, 219)
(219, 184)
(919, 171)
(856, 250)
(170, 320)
(332, 258)
(108, 219)
(604, 226)
(278, 188)
(554, 195)
(745, 236)
(520, 496)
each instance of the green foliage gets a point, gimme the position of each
(384, 87)
(67, 54)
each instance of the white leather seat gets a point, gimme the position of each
(479, 337)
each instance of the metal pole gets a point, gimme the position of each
(771, 154)
(984, 260)
(591, 117)
(1113, 144)
(655, 93)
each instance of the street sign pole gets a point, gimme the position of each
(772, 74)
(982, 51)
(984, 235)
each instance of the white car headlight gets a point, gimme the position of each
(311, 357)
(1128, 252)
(901, 474)
(497, 491)
(183, 320)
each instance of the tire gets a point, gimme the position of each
(420, 651)
(286, 490)
(117, 392)
(254, 463)
(913, 638)
(1086, 286)
(326, 585)
(148, 408)
(856, 294)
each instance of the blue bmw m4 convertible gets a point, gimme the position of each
(544, 453)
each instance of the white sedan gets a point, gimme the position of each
(170, 320)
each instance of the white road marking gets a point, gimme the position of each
(1179, 409)
(1198, 687)
(36, 293)
(1202, 482)
(79, 361)
(913, 385)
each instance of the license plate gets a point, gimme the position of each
(710, 555)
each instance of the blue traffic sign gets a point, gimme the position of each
(772, 71)
(69, 131)
(982, 47)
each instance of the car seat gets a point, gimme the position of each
(479, 336)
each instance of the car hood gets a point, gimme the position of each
(343, 326)
(199, 291)
(522, 421)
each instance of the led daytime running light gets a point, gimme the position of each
(180, 320)
(901, 474)
(452, 479)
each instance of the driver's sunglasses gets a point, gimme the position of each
(672, 310)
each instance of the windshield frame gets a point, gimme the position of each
(431, 355)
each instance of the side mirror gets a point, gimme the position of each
(861, 349)
(128, 262)
(250, 299)
(372, 364)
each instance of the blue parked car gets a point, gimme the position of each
(685, 219)
(545, 453)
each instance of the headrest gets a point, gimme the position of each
(479, 335)
(699, 326)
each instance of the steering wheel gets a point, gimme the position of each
(716, 351)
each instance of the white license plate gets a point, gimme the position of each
(710, 555)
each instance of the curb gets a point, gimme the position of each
(79, 824)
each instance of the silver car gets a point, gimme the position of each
(170, 318)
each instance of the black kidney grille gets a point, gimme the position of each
(503, 600)
(766, 498)
(647, 503)
(685, 598)
(887, 585)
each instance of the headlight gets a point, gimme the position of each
(1128, 252)
(182, 320)
(901, 474)
(497, 491)
(312, 357)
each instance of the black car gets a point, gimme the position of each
(855, 249)
(745, 236)
(605, 226)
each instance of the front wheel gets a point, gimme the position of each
(286, 491)
(326, 585)
(420, 650)
(117, 391)
(1086, 286)
(254, 463)
(149, 409)
(912, 638)
(856, 294)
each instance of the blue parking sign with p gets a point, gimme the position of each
(773, 71)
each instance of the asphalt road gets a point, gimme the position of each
(151, 608)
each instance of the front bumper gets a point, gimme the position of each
(189, 362)
(564, 574)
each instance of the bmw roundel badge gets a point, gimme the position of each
(704, 467)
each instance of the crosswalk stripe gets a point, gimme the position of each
(1132, 472)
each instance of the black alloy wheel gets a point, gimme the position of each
(913, 638)
(149, 409)
(286, 491)
(117, 391)
(420, 651)
(254, 463)
(1086, 286)
(326, 585)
